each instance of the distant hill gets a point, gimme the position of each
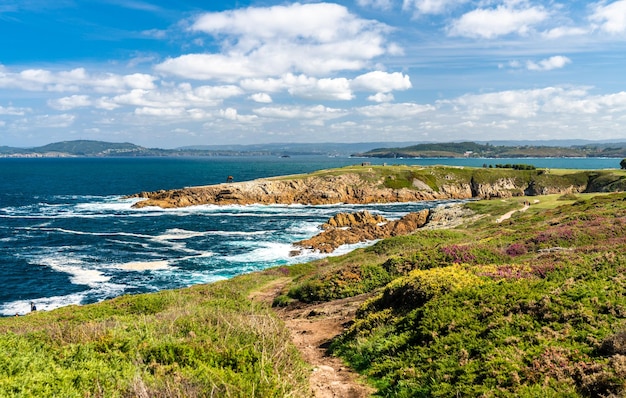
(90, 148)
(79, 148)
(472, 149)
(87, 148)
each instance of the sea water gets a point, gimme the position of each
(67, 235)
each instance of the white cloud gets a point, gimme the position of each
(71, 102)
(263, 98)
(315, 39)
(510, 103)
(304, 86)
(271, 85)
(431, 6)
(233, 115)
(556, 62)
(542, 106)
(73, 80)
(404, 110)
(320, 89)
(610, 17)
(319, 112)
(209, 66)
(180, 96)
(381, 97)
(382, 82)
(160, 112)
(13, 111)
(500, 21)
(380, 4)
(559, 32)
(47, 121)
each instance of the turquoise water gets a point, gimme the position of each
(68, 237)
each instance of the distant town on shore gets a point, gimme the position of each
(493, 149)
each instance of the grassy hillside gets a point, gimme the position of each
(197, 342)
(436, 177)
(530, 307)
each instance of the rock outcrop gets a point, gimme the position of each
(344, 188)
(358, 227)
(380, 185)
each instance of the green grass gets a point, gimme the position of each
(532, 308)
(437, 178)
(196, 342)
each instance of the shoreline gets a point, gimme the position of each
(367, 184)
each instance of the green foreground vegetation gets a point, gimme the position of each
(197, 342)
(533, 306)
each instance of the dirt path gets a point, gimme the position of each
(509, 214)
(312, 328)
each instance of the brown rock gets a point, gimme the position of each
(358, 227)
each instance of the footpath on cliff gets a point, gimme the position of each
(313, 326)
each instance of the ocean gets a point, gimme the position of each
(67, 235)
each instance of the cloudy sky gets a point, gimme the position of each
(173, 73)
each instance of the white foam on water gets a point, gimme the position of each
(179, 234)
(74, 232)
(267, 252)
(306, 228)
(107, 205)
(75, 267)
(241, 233)
(22, 307)
(159, 265)
(145, 265)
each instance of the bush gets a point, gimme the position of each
(420, 286)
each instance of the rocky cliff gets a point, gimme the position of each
(345, 188)
(379, 184)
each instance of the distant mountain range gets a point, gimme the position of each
(569, 148)
(86, 148)
(488, 150)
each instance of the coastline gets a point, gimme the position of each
(369, 183)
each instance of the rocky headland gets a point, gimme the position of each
(386, 184)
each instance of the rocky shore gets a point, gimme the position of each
(350, 228)
(358, 227)
(364, 185)
(345, 188)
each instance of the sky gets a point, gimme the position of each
(175, 73)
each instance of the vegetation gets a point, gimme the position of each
(197, 342)
(472, 149)
(516, 166)
(89, 148)
(532, 306)
(525, 178)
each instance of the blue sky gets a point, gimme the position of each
(173, 73)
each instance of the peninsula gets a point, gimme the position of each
(367, 183)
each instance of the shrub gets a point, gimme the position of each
(516, 249)
(568, 196)
(420, 286)
(458, 254)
